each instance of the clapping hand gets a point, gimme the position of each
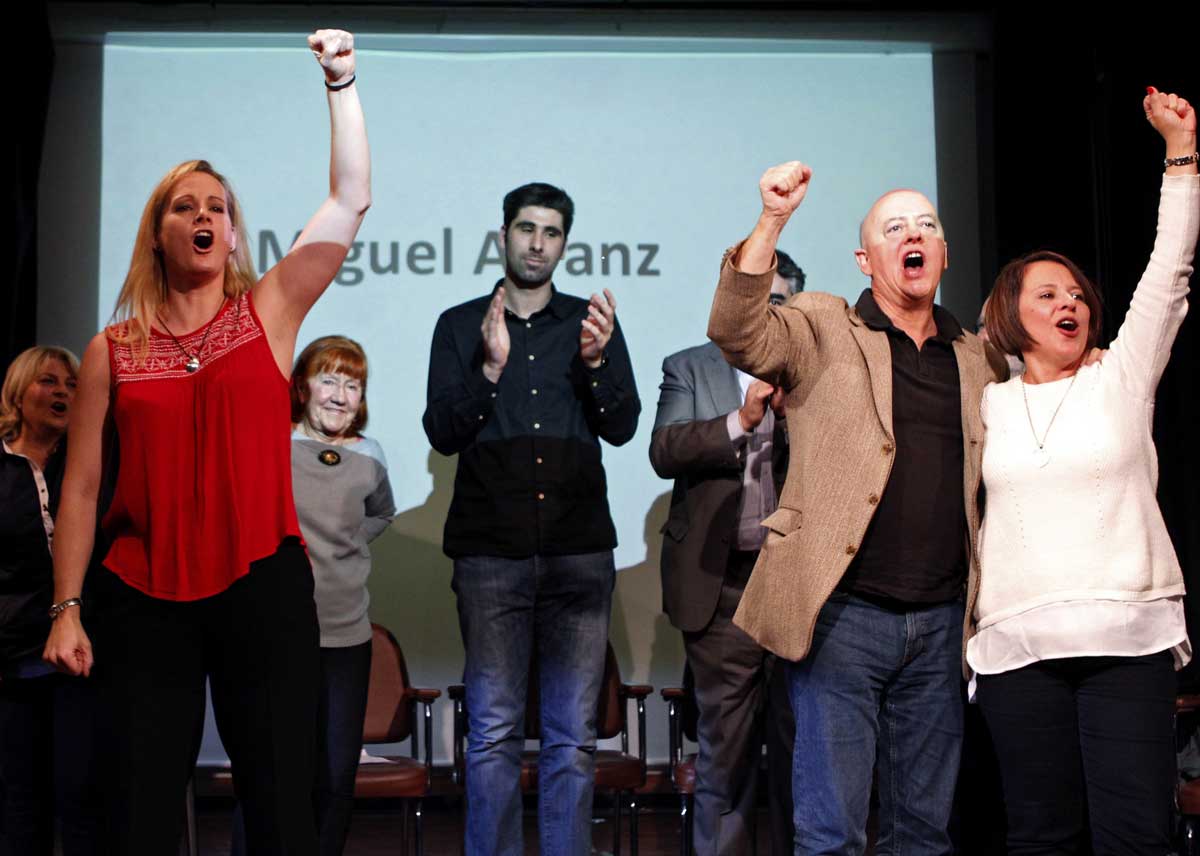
(597, 328)
(494, 331)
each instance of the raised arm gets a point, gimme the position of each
(753, 335)
(1143, 345)
(68, 647)
(287, 291)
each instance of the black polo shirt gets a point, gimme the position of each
(530, 480)
(914, 551)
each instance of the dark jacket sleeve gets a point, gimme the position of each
(681, 444)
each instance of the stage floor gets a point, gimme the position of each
(375, 829)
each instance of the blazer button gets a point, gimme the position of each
(873, 499)
(851, 549)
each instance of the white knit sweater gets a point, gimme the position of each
(1075, 557)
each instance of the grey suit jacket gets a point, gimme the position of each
(691, 444)
(838, 374)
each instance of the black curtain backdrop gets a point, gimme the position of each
(28, 92)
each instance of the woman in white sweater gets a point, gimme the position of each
(1080, 622)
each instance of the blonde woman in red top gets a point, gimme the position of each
(206, 577)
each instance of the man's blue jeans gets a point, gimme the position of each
(878, 689)
(556, 607)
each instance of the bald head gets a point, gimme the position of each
(903, 251)
(895, 205)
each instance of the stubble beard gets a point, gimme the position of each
(523, 280)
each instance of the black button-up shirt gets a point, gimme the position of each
(914, 551)
(530, 480)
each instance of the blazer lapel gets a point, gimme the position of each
(878, 355)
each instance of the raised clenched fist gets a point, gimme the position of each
(1172, 116)
(334, 50)
(783, 187)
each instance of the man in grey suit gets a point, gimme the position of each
(720, 434)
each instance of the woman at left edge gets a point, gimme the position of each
(45, 731)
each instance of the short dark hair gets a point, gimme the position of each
(541, 195)
(1002, 317)
(790, 271)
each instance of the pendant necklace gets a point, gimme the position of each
(1041, 457)
(193, 359)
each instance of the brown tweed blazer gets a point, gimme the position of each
(838, 374)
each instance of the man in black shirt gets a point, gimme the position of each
(523, 383)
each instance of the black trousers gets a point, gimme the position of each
(257, 644)
(1085, 742)
(46, 767)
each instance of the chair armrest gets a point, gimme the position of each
(457, 692)
(635, 690)
(422, 694)
(672, 693)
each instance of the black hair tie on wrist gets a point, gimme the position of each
(338, 87)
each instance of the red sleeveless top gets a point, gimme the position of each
(205, 480)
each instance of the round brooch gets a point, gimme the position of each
(329, 458)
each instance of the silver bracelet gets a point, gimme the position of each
(62, 606)
(1182, 161)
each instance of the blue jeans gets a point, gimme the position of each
(508, 610)
(877, 688)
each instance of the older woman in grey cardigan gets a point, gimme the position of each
(344, 501)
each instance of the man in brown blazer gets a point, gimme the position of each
(868, 575)
(717, 433)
